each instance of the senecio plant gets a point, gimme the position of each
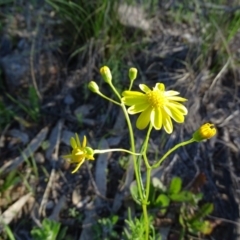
(156, 108)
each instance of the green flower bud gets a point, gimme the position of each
(93, 87)
(132, 73)
(89, 151)
(206, 131)
(106, 74)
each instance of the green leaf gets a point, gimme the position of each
(134, 192)
(181, 221)
(197, 197)
(163, 202)
(175, 185)
(197, 226)
(206, 227)
(205, 210)
(184, 196)
(49, 230)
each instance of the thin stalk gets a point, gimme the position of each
(146, 222)
(132, 142)
(109, 99)
(148, 177)
(143, 152)
(130, 86)
(171, 150)
(98, 151)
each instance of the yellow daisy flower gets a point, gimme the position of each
(157, 106)
(79, 152)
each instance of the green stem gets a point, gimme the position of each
(130, 87)
(131, 136)
(148, 178)
(145, 214)
(115, 91)
(143, 152)
(132, 142)
(171, 150)
(98, 151)
(145, 202)
(109, 99)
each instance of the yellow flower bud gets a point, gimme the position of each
(132, 74)
(106, 74)
(93, 87)
(206, 131)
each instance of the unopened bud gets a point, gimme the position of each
(132, 74)
(93, 87)
(106, 74)
(206, 131)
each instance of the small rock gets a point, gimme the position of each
(22, 136)
(39, 158)
(76, 197)
(49, 205)
(84, 110)
(16, 69)
(68, 100)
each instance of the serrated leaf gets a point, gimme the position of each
(175, 185)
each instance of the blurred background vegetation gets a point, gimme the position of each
(51, 49)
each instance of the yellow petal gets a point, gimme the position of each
(160, 87)
(78, 166)
(79, 152)
(171, 93)
(134, 99)
(167, 122)
(77, 140)
(138, 108)
(144, 118)
(144, 88)
(84, 143)
(132, 94)
(73, 143)
(156, 118)
(174, 113)
(176, 98)
(178, 106)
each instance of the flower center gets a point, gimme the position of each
(156, 99)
